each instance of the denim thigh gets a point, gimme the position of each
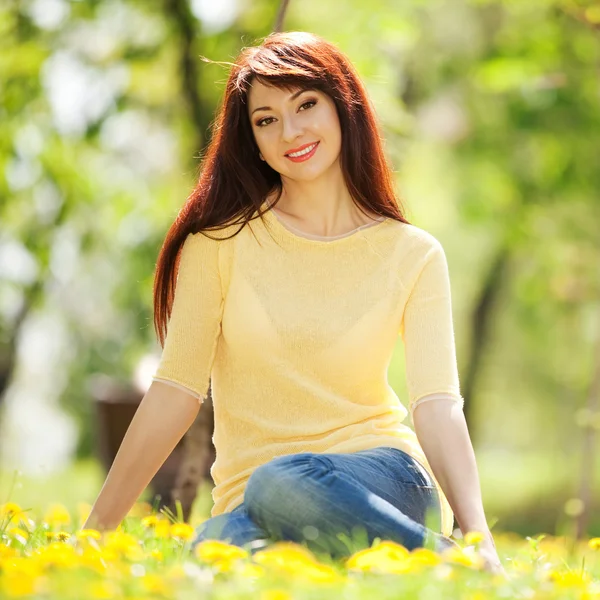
(385, 472)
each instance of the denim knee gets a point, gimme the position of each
(274, 483)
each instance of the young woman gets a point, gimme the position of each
(282, 286)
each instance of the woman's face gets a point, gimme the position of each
(286, 122)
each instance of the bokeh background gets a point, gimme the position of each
(490, 114)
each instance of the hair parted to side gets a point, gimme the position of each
(234, 183)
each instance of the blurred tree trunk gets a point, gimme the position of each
(481, 321)
(187, 32)
(8, 347)
(37, 241)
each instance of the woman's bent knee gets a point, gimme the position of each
(280, 484)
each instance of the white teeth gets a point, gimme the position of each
(302, 152)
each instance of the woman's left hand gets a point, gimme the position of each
(492, 564)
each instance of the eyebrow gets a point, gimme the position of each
(292, 97)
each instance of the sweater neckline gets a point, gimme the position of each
(289, 231)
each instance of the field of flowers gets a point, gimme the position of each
(150, 556)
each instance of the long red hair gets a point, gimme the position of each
(234, 183)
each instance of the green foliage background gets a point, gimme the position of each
(490, 113)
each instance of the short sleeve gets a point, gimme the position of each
(428, 334)
(195, 322)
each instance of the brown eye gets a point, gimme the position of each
(313, 102)
(262, 122)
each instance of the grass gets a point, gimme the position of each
(151, 556)
(46, 555)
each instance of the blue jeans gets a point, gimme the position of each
(335, 503)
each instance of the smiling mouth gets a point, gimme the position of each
(303, 150)
(303, 155)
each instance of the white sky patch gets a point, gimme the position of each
(48, 14)
(215, 15)
(37, 436)
(147, 146)
(17, 263)
(78, 93)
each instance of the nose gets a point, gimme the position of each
(291, 130)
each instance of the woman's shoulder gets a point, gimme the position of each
(415, 236)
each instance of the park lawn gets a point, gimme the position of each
(150, 556)
(44, 554)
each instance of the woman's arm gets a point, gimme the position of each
(162, 418)
(442, 432)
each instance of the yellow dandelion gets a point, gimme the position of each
(103, 590)
(162, 529)
(282, 552)
(388, 557)
(157, 555)
(11, 510)
(276, 595)
(478, 596)
(594, 543)
(25, 567)
(154, 584)
(110, 556)
(182, 531)
(59, 536)
(296, 560)
(58, 555)
(319, 573)
(57, 514)
(463, 556)
(213, 550)
(18, 586)
(568, 579)
(7, 552)
(422, 557)
(474, 537)
(150, 521)
(225, 565)
(290, 550)
(123, 544)
(93, 559)
(19, 534)
(251, 571)
(84, 534)
(120, 539)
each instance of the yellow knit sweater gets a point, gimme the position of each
(296, 334)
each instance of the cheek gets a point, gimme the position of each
(265, 140)
(328, 124)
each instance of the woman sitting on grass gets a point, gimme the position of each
(282, 285)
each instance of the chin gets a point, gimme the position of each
(309, 174)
